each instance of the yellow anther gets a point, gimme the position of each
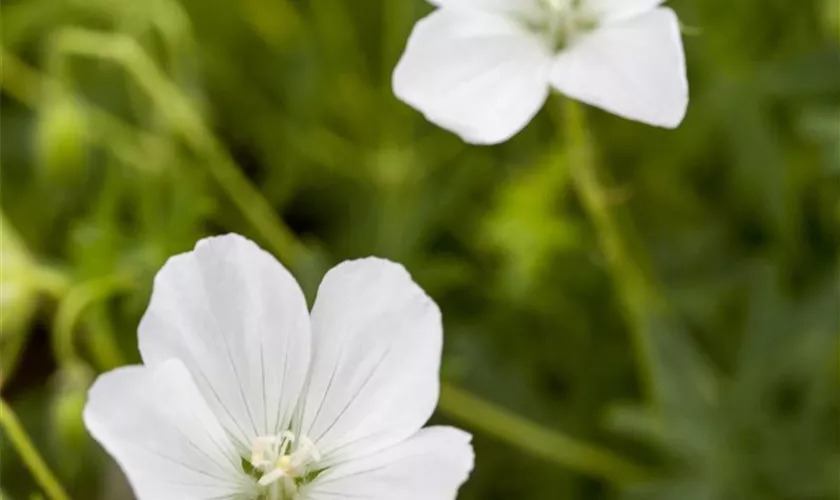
(284, 463)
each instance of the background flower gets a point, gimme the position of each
(483, 69)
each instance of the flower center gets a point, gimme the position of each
(287, 457)
(560, 21)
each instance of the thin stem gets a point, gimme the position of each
(635, 294)
(100, 339)
(10, 356)
(536, 440)
(29, 454)
(179, 112)
(50, 281)
(255, 208)
(70, 310)
(20, 82)
(25, 83)
(128, 143)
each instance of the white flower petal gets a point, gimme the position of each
(635, 69)
(479, 75)
(158, 427)
(238, 321)
(431, 465)
(615, 10)
(377, 341)
(529, 8)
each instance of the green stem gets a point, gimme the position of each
(10, 357)
(100, 340)
(255, 208)
(536, 440)
(180, 113)
(635, 294)
(50, 281)
(25, 84)
(70, 310)
(29, 454)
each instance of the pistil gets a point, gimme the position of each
(282, 461)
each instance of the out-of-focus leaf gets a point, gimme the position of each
(528, 225)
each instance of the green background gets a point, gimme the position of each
(698, 361)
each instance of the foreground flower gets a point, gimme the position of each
(484, 68)
(245, 395)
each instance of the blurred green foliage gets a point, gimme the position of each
(131, 129)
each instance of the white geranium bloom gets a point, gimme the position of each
(244, 394)
(484, 68)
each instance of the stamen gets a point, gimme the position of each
(283, 456)
(562, 21)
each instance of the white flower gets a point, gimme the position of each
(243, 394)
(484, 68)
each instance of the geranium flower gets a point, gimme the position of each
(483, 68)
(244, 394)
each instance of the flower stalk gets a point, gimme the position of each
(70, 310)
(29, 454)
(183, 117)
(635, 294)
(536, 440)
